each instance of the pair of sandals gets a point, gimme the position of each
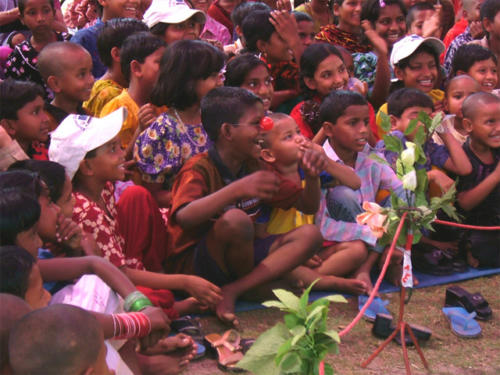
(438, 262)
(383, 326)
(229, 349)
(462, 309)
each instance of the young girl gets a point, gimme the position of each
(383, 26)
(322, 70)
(347, 32)
(189, 70)
(38, 16)
(251, 73)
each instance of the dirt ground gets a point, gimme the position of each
(445, 352)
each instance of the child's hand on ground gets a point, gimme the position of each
(261, 184)
(160, 326)
(68, 233)
(378, 43)
(204, 291)
(313, 162)
(146, 115)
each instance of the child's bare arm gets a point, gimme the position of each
(471, 198)
(58, 269)
(260, 184)
(204, 291)
(344, 174)
(458, 162)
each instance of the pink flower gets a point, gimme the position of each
(373, 218)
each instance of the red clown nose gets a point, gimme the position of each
(266, 123)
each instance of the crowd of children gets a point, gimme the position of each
(167, 157)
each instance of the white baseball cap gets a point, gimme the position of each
(171, 11)
(78, 134)
(409, 44)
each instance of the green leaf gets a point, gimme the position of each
(304, 299)
(298, 332)
(290, 363)
(289, 299)
(393, 143)
(260, 357)
(333, 334)
(328, 369)
(277, 304)
(385, 124)
(292, 320)
(338, 298)
(424, 118)
(315, 313)
(411, 127)
(282, 350)
(422, 181)
(420, 136)
(436, 121)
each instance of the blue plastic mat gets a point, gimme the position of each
(425, 281)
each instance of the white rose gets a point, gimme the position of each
(408, 155)
(410, 181)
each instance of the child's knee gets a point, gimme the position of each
(359, 250)
(236, 224)
(343, 203)
(311, 234)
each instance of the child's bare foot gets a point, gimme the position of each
(179, 344)
(225, 308)
(189, 306)
(167, 364)
(364, 277)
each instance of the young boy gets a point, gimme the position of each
(13, 309)
(479, 63)
(283, 148)
(59, 339)
(490, 19)
(109, 44)
(277, 48)
(89, 149)
(423, 20)
(404, 105)
(305, 28)
(457, 90)
(345, 118)
(216, 198)
(473, 31)
(479, 192)
(24, 120)
(140, 65)
(67, 69)
(87, 37)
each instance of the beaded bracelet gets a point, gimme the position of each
(132, 325)
(136, 301)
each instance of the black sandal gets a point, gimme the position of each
(458, 296)
(383, 328)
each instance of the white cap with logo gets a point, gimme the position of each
(409, 44)
(171, 11)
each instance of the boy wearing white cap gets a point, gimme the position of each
(173, 20)
(89, 148)
(415, 61)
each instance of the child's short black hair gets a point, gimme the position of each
(51, 59)
(22, 181)
(16, 264)
(474, 103)
(371, 9)
(52, 173)
(405, 98)
(21, 4)
(412, 12)
(225, 105)
(238, 68)
(138, 47)
(403, 64)
(184, 63)
(469, 54)
(58, 339)
(14, 95)
(489, 9)
(113, 34)
(301, 17)
(256, 26)
(335, 104)
(243, 9)
(18, 213)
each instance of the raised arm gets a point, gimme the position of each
(471, 198)
(458, 162)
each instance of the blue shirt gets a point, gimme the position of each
(87, 38)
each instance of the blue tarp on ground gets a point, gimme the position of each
(424, 279)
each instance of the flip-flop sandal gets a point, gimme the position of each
(228, 349)
(458, 296)
(378, 306)
(461, 322)
(383, 327)
(188, 325)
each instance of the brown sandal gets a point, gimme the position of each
(228, 349)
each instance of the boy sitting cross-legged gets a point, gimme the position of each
(345, 119)
(217, 196)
